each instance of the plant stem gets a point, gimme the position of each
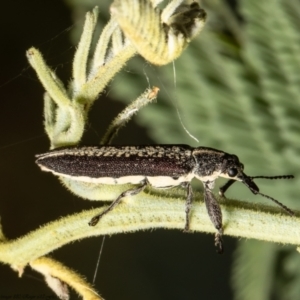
(146, 211)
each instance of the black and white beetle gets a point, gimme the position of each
(160, 166)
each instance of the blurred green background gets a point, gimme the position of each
(237, 89)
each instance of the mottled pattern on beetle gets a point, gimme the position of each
(177, 152)
(209, 160)
(172, 161)
(120, 161)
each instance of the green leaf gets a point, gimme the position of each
(237, 89)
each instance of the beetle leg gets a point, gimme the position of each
(188, 204)
(225, 187)
(215, 215)
(127, 193)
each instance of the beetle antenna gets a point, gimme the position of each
(225, 187)
(274, 177)
(289, 211)
(248, 181)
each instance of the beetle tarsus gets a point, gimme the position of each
(219, 243)
(94, 221)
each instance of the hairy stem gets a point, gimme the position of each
(54, 270)
(146, 211)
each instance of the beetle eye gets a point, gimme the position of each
(232, 172)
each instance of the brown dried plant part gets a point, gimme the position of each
(159, 36)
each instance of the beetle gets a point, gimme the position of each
(160, 166)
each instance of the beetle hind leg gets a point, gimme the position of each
(127, 193)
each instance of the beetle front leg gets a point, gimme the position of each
(215, 215)
(127, 193)
(225, 187)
